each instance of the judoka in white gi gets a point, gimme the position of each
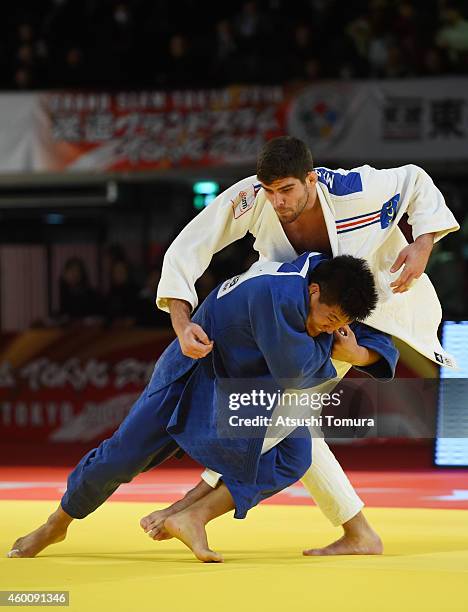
(269, 325)
(290, 207)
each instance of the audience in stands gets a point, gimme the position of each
(140, 43)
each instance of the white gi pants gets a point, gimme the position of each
(325, 480)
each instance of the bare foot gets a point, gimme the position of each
(368, 544)
(37, 540)
(153, 524)
(189, 529)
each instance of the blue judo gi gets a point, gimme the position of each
(257, 321)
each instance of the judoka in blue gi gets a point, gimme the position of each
(276, 323)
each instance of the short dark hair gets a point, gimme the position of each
(284, 156)
(347, 282)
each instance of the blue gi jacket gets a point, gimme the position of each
(257, 322)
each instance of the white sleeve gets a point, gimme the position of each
(227, 219)
(424, 203)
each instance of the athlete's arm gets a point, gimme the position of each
(414, 258)
(346, 348)
(192, 338)
(367, 349)
(227, 219)
(428, 215)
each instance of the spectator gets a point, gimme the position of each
(25, 32)
(112, 253)
(312, 69)
(359, 33)
(379, 50)
(121, 300)
(303, 53)
(70, 68)
(453, 37)
(76, 69)
(147, 313)
(23, 79)
(225, 54)
(78, 300)
(407, 36)
(396, 66)
(179, 67)
(248, 23)
(433, 62)
(252, 43)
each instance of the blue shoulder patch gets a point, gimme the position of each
(339, 184)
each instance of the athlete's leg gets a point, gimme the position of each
(153, 523)
(277, 469)
(189, 524)
(140, 441)
(335, 496)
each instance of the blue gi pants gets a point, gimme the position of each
(142, 442)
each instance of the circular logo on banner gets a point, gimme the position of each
(318, 114)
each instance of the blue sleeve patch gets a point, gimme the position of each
(389, 211)
(339, 184)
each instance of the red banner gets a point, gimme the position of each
(63, 390)
(142, 130)
(72, 385)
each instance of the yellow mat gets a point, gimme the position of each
(108, 563)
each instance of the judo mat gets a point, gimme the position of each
(108, 563)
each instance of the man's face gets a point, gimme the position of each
(290, 197)
(323, 318)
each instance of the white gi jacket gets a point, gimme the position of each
(362, 208)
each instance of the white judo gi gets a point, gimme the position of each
(361, 208)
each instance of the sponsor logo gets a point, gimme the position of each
(444, 360)
(230, 283)
(244, 201)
